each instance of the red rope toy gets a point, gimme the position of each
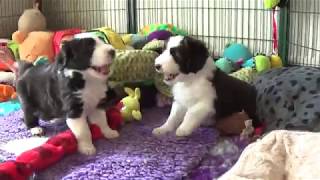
(52, 151)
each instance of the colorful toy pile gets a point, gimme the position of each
(238, 61)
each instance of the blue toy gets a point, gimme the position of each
(236, 52)
(9, 107)
(224, 65)
(249, 63)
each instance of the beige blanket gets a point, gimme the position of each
(280, 155)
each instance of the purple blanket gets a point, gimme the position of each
(136, 154)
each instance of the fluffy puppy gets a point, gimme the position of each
(199, 89)
(73, 88)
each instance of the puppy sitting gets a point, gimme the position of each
(199, 89)
(74, 88)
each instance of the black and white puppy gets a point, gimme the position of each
(199, 89)
(74, 88)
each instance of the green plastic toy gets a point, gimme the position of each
(130, 105)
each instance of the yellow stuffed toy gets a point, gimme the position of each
(130, 105)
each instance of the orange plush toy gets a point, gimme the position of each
(34, 45)
(7, 92)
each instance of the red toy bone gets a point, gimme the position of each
(52, 151)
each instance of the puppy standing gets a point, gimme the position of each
(199, 89)
(74, 88)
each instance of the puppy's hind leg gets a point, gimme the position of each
(99, 118)
(29, 117)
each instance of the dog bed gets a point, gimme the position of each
(289, 98)
(136, 154)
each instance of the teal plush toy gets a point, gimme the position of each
(249, 63)
(237, 52)
(225, 65)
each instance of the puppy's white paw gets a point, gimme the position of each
(161, 130)
(86, 148)
(111, 134)
(37, 131)
(181, 132)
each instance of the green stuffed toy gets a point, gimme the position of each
(270, 4)
(245, 74)
(262, 63)
(130, 105)
(137, 66)
(157, 27)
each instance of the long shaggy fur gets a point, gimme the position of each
(74, 88)
(199, 89)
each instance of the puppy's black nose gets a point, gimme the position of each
(158, 67)
(112, 53)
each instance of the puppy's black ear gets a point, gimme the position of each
(197, 47)
(197, 51)
(64, 54)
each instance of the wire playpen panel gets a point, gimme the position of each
(304, 33)
(10, 10)
(86, 14)
(216, 22)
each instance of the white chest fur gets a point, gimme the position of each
(92, 93)
(189, 93)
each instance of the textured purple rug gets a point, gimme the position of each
(136, 154)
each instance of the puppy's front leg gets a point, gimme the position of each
(194, 117)
(99, 118)
(80, 129)
(176, 116)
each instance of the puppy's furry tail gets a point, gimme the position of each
(19, 146)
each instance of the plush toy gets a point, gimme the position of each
(41, 60)
(130, 106)
(155, 45)
(6, 58)
(167, 27)
(269, 4)
(7, 92)
(137, 66)
(32, 20)
(137, 41)
(34, 44)
(225, 65)
(237, 53)
(262, 63)
(50, 152)
(159, 35)
(276, 61)
(106, 34)
(249, 63)
(248, 130)
(7, 77)
(245, 74)
(63, 35)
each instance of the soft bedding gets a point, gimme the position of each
(280, 155)
(136, 154)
